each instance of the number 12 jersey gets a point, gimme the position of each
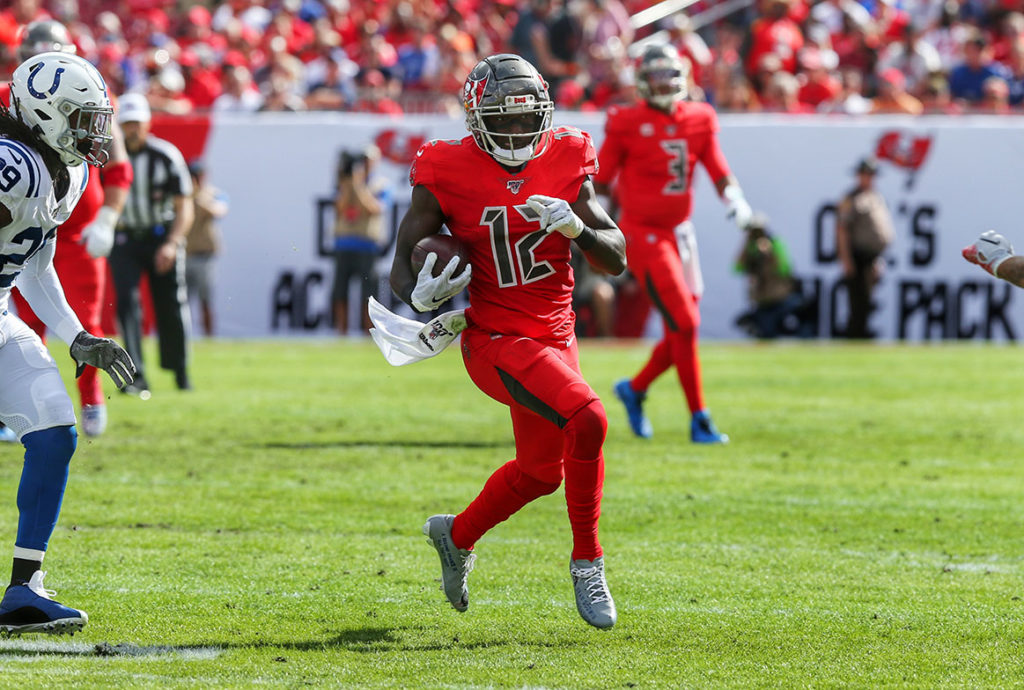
(522, 282)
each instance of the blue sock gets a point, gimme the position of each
(43, 478)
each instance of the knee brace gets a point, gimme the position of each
(43, 478)
(585, 431)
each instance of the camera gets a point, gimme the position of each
(348, 161)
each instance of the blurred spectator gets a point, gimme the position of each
(936, 98)
(915, 58)
(239, 94)
(691, 46)
(17, 14)
(850, 99)
(767, 67)
(202, 86)
(166, 93)
(548, 37)
(775, 33)
(359, 204)
(782, 95)
(604, 20)
(456, 57)
(1010, 31)
(373, 95)
(966, 79)
(1016, 78)
(949, 35)
(818, 85)
(418, 58)
(203, 243)
(892, 95)
(737, 95)
(424, 48)
(995, 96)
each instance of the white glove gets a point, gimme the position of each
(430, 292)
(404, 341)
(989, 251)
(98, 236)
(556, 215)
(737, 208)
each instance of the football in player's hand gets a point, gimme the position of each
(445, 246)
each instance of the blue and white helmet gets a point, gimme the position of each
(63, 98)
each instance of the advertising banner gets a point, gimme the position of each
(945, 180)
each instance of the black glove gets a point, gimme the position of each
(105, 354)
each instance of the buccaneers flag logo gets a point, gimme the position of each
(905, 151)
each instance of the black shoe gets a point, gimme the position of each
(182, 380)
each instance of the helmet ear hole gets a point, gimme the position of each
(42, 115)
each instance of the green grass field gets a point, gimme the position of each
(865, 528)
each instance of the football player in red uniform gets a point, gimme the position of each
(649, 152)
(85, 239)
(516, 193)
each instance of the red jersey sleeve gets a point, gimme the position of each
(421, 172)
(711, 157)
(613, 148)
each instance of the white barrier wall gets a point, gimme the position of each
(946, 179)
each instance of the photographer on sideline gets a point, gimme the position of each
(358, 230)
(776, 302)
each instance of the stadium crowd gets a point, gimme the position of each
(395, 56)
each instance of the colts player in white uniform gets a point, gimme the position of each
(58, 121)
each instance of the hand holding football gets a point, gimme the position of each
(446, 247)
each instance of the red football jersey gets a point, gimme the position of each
(522, 283)
(653, 154)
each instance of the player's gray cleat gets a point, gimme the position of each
(455, 563)
(593, 600)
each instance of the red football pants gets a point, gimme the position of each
(654, 260)
(559, 425)
(83, 279)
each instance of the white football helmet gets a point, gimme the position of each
(64, 100)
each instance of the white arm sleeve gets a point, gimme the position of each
(40, 287)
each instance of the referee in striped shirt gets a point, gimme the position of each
(151, 239)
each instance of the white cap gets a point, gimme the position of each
(133, 107)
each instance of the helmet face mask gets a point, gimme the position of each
(662, 76)
(91, 132)
(508, 109)
(64, 100)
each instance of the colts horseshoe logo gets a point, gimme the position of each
(53, 87)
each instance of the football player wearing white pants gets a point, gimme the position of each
(994, 253)
(59, 120)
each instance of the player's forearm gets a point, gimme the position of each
(184, 213)
(41, 288)
(604, 248)
(1012, 270)
(115, 197)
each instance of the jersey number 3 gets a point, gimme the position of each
(505, 258)
(676, 148)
